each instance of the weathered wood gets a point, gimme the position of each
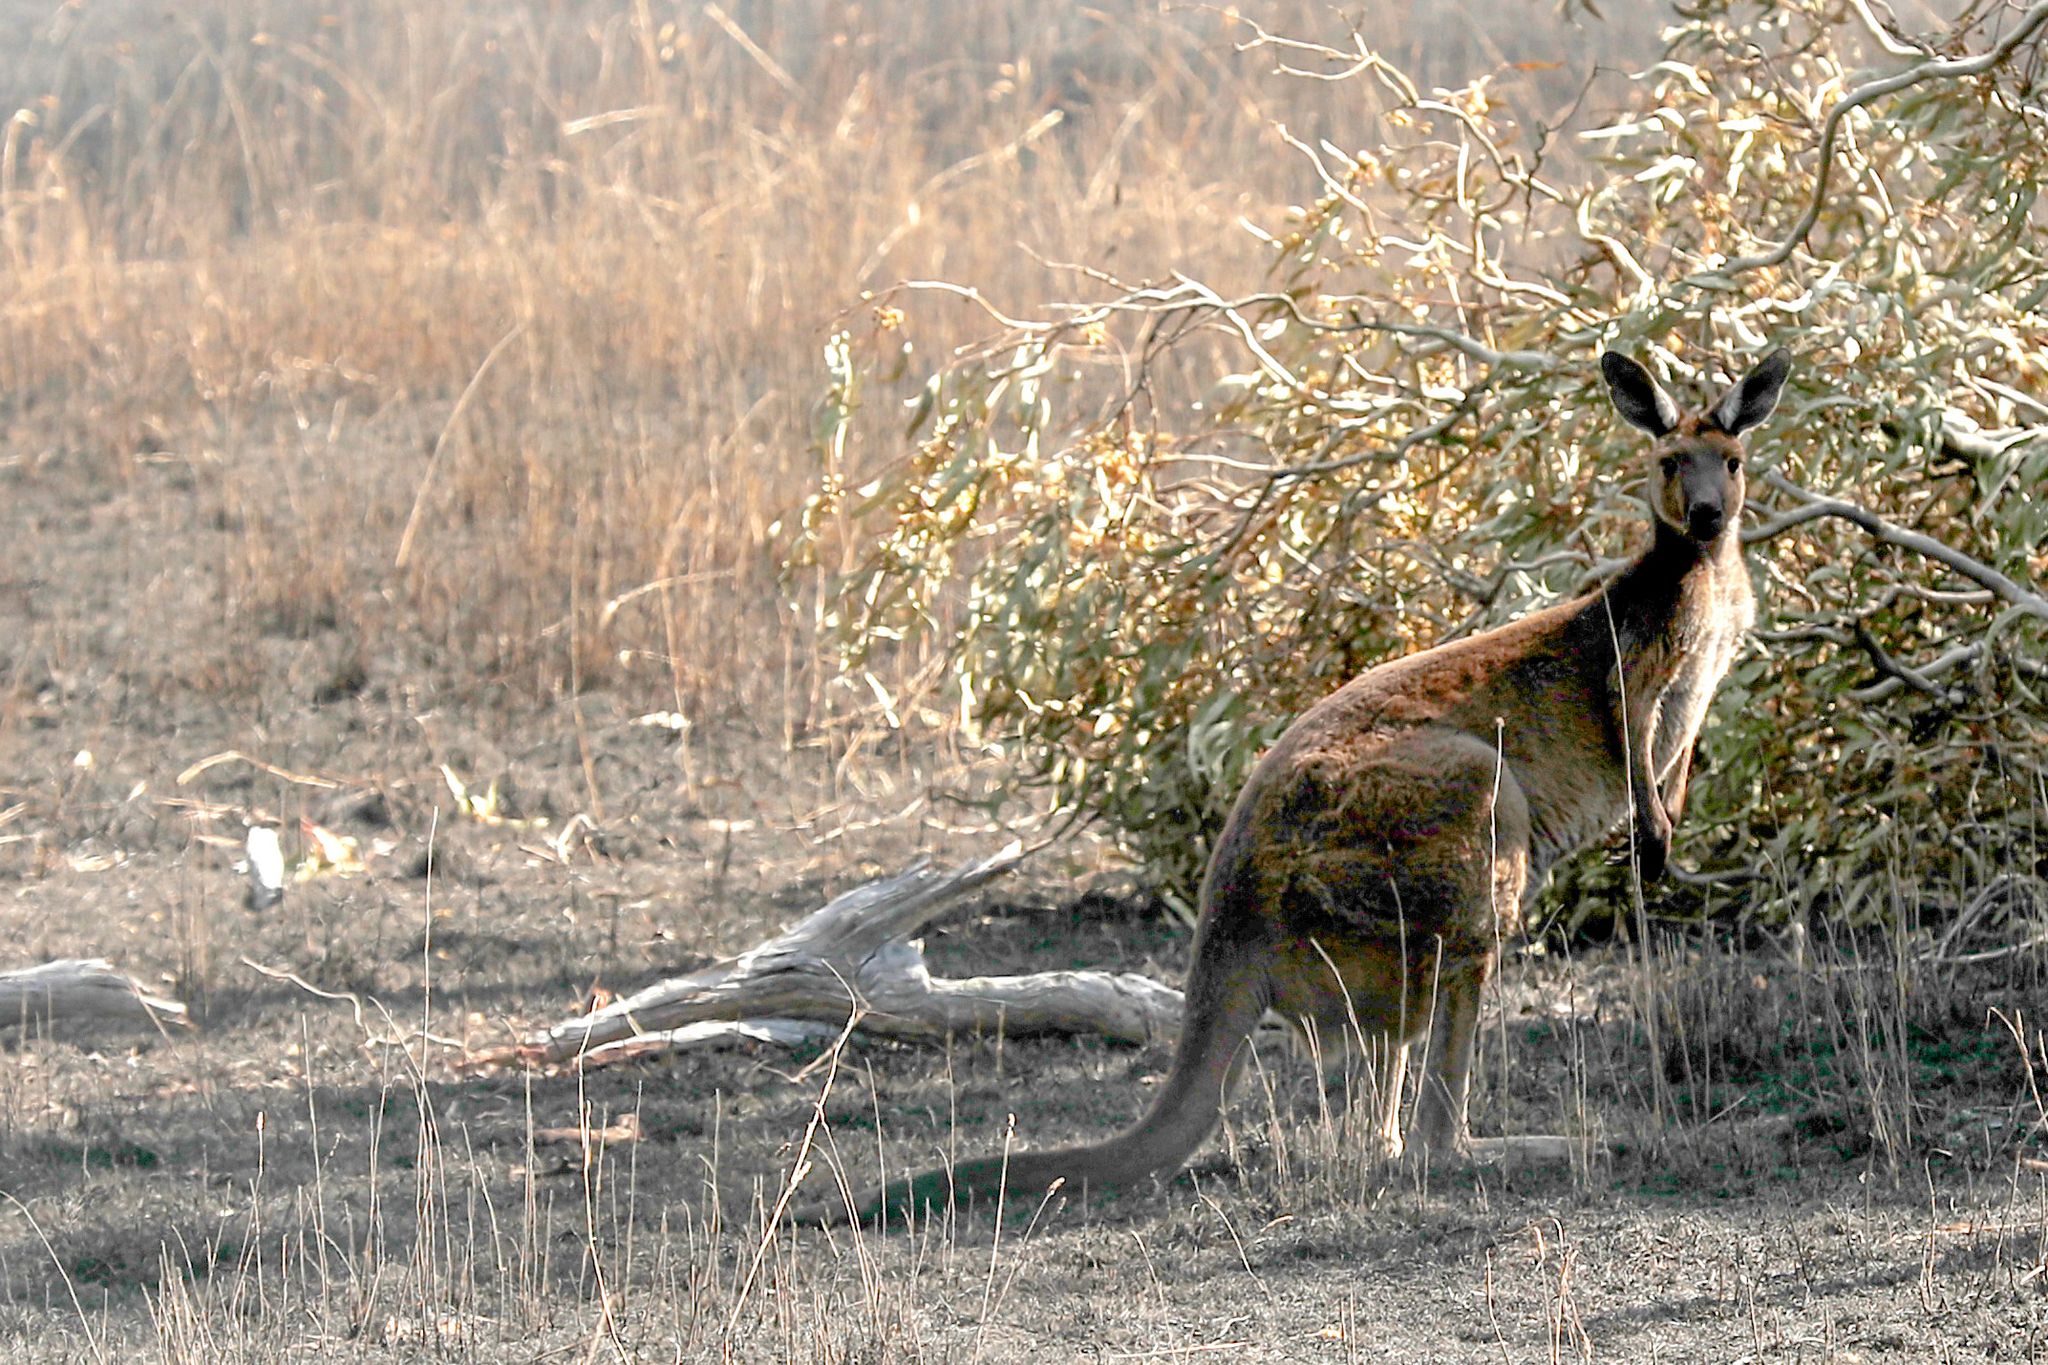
(78, 988)
(856, 957)
(714, 1035)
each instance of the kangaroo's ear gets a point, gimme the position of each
(1636, 395)
(1755, 396)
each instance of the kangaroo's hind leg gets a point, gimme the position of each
(1366, 1072)
(1403, 868)
(1383, 1072)
(1480, 873)
(1441, 1123)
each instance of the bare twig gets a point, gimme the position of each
(1898, 677)
(85, 1323)
(186, 778)
(355, 1004)
(1892, 669)
(753, 49)
(2027, 945)
(1939, 665)
(1883, 33)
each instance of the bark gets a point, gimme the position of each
(857, 960)
(78, 988)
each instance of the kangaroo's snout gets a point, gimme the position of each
(1705, 520)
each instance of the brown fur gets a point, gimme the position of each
(1382, 851)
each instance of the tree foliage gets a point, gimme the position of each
(1149, 528)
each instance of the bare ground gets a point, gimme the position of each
(301, 1176)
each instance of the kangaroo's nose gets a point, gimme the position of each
(1705, 521)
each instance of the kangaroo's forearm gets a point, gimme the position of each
(1678, 783)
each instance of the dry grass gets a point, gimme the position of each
(546, 287)
(398, 1214)
(262, 240)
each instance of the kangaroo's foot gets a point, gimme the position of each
(1434, 1145)
(1534, 1149)
(1522, 1149)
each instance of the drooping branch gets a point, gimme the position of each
(1926, 673)
(1813, 507)
(1934, 69)
(1893, 671)
(857, 959)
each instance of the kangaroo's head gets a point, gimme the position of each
(1696, 475)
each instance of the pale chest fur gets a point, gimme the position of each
(1670, 680)
(1705, 648)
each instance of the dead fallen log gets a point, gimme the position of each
(714, 1035)
(76, 989)
(858, 959)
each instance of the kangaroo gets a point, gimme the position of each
(1387, 844)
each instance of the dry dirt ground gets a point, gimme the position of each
(302, 1177)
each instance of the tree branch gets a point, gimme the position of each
(1814, 507)
(79, 988)
(856, 960)
(1892, 670)
(1938, 69)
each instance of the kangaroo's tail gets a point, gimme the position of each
(1223, 1008)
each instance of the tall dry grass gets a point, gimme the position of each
(491, 333)
(547, 285)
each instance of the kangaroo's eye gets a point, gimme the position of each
(1734, 464)
(1670, 465)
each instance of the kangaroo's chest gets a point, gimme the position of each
(1697, 668)
(1669, 678)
